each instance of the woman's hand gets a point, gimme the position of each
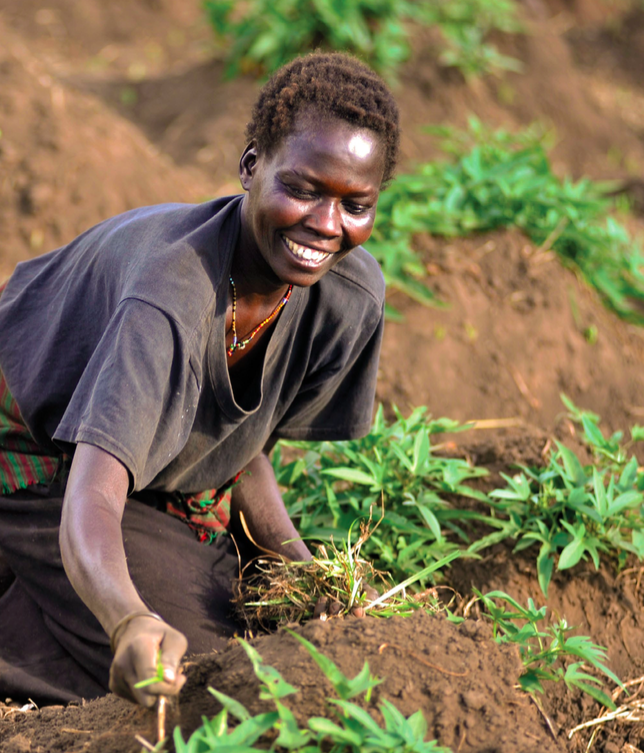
(146, 649)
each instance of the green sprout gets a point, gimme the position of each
(353, 731)
(545, 650)
(158, 677)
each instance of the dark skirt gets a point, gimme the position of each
(52, 648)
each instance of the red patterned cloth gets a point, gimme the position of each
(23, 463)
(207, 513)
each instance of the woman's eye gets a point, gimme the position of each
(299, 193)
(356, 208)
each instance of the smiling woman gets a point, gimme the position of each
(311, 202)
(180, 342)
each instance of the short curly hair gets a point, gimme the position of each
(332, 84)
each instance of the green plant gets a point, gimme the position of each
(335, 582)
(571, 511)
(497, 179)
(465, 25)
(158, 677)
(268, 33)
(610, 453)
(353, 731)
(545, 649)
(574, 511)
(334, 483)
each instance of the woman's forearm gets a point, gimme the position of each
(91, 544)
(257, 497)
(91, 540)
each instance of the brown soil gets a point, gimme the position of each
(107, 106)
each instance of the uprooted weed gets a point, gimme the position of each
(335, 583)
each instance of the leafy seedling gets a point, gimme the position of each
(331, 484)
(545, 649)
(574, 512)
(353, 731)
(158, 677)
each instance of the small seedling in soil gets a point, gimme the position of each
(546, 649)
(353, 731)
(573, 511)
(161, 706)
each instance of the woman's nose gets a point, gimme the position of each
(324, 219)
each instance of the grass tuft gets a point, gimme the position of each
(336, 583)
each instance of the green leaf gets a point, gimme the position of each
(600, 500)
(625, 501)
(343, 686)
(573, 467)
(572, 553)
(238, 710)
(351, 474)
(421, 449)
(628, 479)
(545, 567)
(637, 433)
(290, 735)
(274, 685)
(582, 680)
(330, 729)
(530, 682)
(593, 432)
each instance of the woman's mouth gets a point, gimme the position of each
(304, 252)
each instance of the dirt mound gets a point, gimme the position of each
(519, 329)
(67, 161)
(464, 683)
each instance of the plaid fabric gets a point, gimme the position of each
(207, 513)
(22, 462)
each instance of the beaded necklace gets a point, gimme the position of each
(241, 344)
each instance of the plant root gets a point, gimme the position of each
(332, 585)
(142, 741)
(549, 724)
(161, 717)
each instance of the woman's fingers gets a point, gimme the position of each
(147, 662)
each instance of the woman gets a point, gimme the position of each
(161, 354)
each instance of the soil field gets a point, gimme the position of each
(108, 106)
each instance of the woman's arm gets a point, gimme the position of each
(91, 545)
(258, 498)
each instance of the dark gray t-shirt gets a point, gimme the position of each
(118, 340)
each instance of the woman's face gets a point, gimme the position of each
(313, 200)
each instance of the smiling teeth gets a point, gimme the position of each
(303, 252)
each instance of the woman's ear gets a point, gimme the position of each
(247, 164)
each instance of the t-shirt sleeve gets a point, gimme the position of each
(138, 394)
(335, 401)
